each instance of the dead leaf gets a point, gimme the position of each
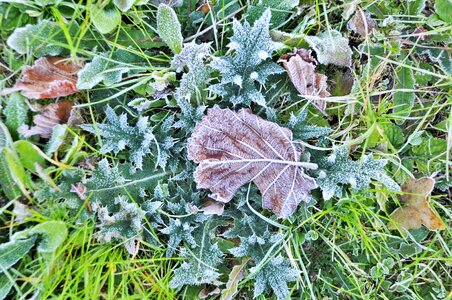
(362, 23)
(212, 208)
(48, 78)
(204, 293)
(416, 210)
(80, 189)
(235, 276)
(51, 115)
(234, 148)
(301, 69)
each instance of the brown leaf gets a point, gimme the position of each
(416, 210)
(213, 208)
(301, 69)
(362, 23)
(47, 78)
(51, 115)
(204, 293)
(234, 148)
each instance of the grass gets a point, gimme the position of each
(342, 247)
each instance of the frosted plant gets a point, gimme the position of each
(35, 39)
(124, 223)
(331, 48)
(168, 28)
(338, 170)
(279, 9)
(117, 134)
(198, 75)
(302, 130)
(108, 69)
(201, 267)
(246, 71)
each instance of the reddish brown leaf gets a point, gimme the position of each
(301, 69)
(234, 148)
(416, 210)
(47, 78)
(51, 115)
(213, 208)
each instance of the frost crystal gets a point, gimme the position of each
(252, 46)
(198, 75)
(35, 39)
(334, 173)
(117, 134)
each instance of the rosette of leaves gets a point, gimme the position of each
(247, 69)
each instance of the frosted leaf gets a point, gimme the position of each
(117, 134)
(302, 130)
(301, 69)
(59, 133)
(15, 111)
(100, 70)
(126, 5)
(331, 48)
(105, 19)
(362, 23)
(252, 47)
(193, 57)
(202, 268)
(234, 148)
(50, 116)
(274, 276)
(280, 10)
(340, 171)
(35, 39)
(168, 28)
(48, 78)
(178, 231)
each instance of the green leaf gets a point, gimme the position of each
(14, 250)
(415, 7)
(444, 8)
(430, 148)
(280, 10)
(393, 133)
(53, 234)
(16, 112)
(29, 154)
(124, 5)
(37, 39)
(17, 171)
(247, 70)
(331, 48)
(59, 133)
(106, 19)
(403, 101)
(5, 286)
(168, 28)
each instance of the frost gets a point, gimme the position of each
(331, 48)
(252, 46)
(168, 28)
(340, 170)
(280, 10)
(193, 57)
(117, 134)
(35, 39)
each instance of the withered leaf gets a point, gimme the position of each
(47, 78)
(235, 276)
(362, 23)
(416, 210)
(234, 148)
(300, 67)
(51, 115)
(213, 208)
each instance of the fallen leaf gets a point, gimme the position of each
(204, 293)
(48, 78)
(331, 48)
(213, 208)
(301, 69)
(79, 189)
(362, 23)
(51, 115)
(234, 148)
(416, 210)
(235, 276)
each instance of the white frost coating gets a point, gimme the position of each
(234, 148)
(331, 48)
